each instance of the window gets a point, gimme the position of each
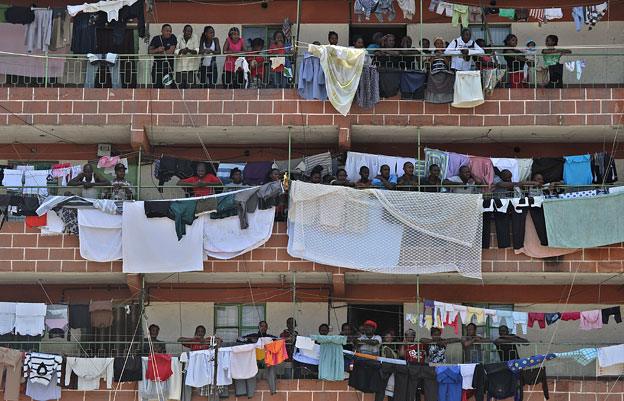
(234, 320)
(495, 33)
(264, 32)
(489, 331)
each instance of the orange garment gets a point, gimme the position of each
(37, 221)
(275, 353)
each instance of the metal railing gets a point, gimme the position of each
(591, 66)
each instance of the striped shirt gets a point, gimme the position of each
(39, 368)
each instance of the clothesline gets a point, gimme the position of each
(441, 314)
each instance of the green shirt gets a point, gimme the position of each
(551, 59)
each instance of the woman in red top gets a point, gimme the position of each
(411, 351)
(234, 44)
(198, 341)
(278, 46)
(202, 183)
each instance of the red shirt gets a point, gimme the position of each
(258, 71)
(197, 341)
(202, 191)
(415, 353)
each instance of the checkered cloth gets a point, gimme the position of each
(584, 356)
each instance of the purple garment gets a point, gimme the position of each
(455, 161)
(40, 392)
(311, 79)
(257, 173)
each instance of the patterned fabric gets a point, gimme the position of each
(70, 220)
(584, 356)
(579, 194)
(367, 95)
(537, 13)
(437, 353)
(516, 365)
(434, 156)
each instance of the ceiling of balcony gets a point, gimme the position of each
(243, 135)
(8, 278)
(389, 134)
(71, 134)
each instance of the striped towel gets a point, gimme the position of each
(537, 13)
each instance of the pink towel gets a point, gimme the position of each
(482, 169)
(591, 319)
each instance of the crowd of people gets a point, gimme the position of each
(365, 340)
(192, 62)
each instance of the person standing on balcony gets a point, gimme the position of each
(462, 49)
(201, 184)
(389, 349)
(471, 345)
(162, 47)
(234, 45)
(198, 342)
(263, 328)
(341, 179)
(256, 64)
(277, 47)
(552, 55)
(432, 182)
(411, 351)
(364, 181)
(157, 346)
(332, 38)
(89, 181)
(290, 335)
(408, 181)
(464, 183)
(436, 345)
(506, 344)
(385, 180)
(121, 188)
(187, 63)
(515, 61)
(209, 47)
(368, 343)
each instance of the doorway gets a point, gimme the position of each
(387, 317)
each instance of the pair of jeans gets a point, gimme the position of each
(208, 75)
(556, 76)
(245, 387)
(114, 70)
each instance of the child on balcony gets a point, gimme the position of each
(551, 56)
(256, 64)
(277, 78)
(234, 44)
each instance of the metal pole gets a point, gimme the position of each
(418, 154)
(421, 28)
(418, 314)
(138, 196)
(289, 150)
(46, 71)
(296, 46)
(294, 314)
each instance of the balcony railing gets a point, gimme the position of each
(591, 66)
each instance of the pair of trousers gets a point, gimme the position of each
(208, 75)
(278, 80)
(502, 222)
(113, 69)
(245, 387)
(537, 215)
(615, 311)
(409, 382)
(555, 73)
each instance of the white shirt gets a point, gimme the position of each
(243, 361)
(467, 372)
(89, 372)
(458, 63)
(187, 62)
(30, 318)
(367, 348)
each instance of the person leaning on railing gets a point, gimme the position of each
(162, 47)
(506, 344)
(121, 188)
(186, 64)
(89, 181)
(208, 47)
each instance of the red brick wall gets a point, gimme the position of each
(314, 390)
(23, 249)
(275, 107)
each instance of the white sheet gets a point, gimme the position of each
(54, 225)
(30, 318)
(507, 164)
(151, 245)
(224, 239)
(468, 91)
(609, 356)
(100, 235)
(12, 178)
(7, 317)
